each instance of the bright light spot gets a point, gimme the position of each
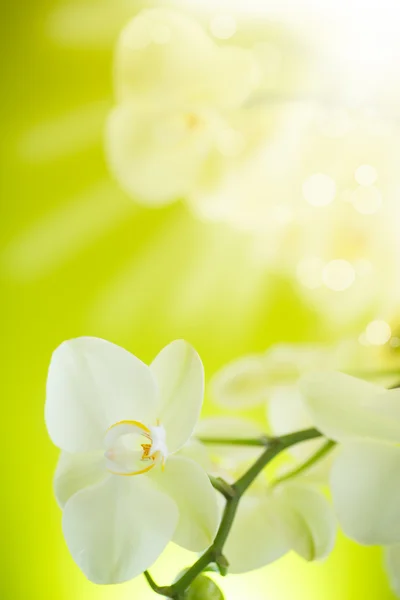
(309, 272)
(378, 333)
(338, 275)
(223, 26)
(319, 189)
(160, 34)
(365, 175)
(367, 200)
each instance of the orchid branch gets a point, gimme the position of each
(214, 554)
(262, 441)
(321, 452)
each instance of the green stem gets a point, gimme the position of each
(325, 448)
(262, 441)
(214, 554)
(276, 446)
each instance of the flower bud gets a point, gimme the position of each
(203, 588)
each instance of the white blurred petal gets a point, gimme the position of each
(346, 408)
(167, 56)
(286, 413)
(179, 373)
(172, 72)
(157, 157)
(91, 385)
(243, 383)
(188, 484)
(118, 528)
(365, 486)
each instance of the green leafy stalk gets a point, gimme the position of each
(233, 494)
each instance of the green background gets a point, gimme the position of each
(78, 258)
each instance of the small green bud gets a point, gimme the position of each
(203, 588)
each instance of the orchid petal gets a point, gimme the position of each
(75, 472)
(312, 524)
(118, 528)
(346, 408)
(258, 535)
(179, 373)
(242, 383)
(366, 492)
(188, 484)
(91, 385)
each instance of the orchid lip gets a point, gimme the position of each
(153, 450)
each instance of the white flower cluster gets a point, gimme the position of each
(361, 417)
(131, 478)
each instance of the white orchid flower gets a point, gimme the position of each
(271, 520)
(176, 122)
(365, 477)
(124, 491)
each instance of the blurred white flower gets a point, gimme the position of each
(253, 380)
(119, 423)
(256, 379)
(176, 123)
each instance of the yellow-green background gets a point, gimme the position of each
(79, 259)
